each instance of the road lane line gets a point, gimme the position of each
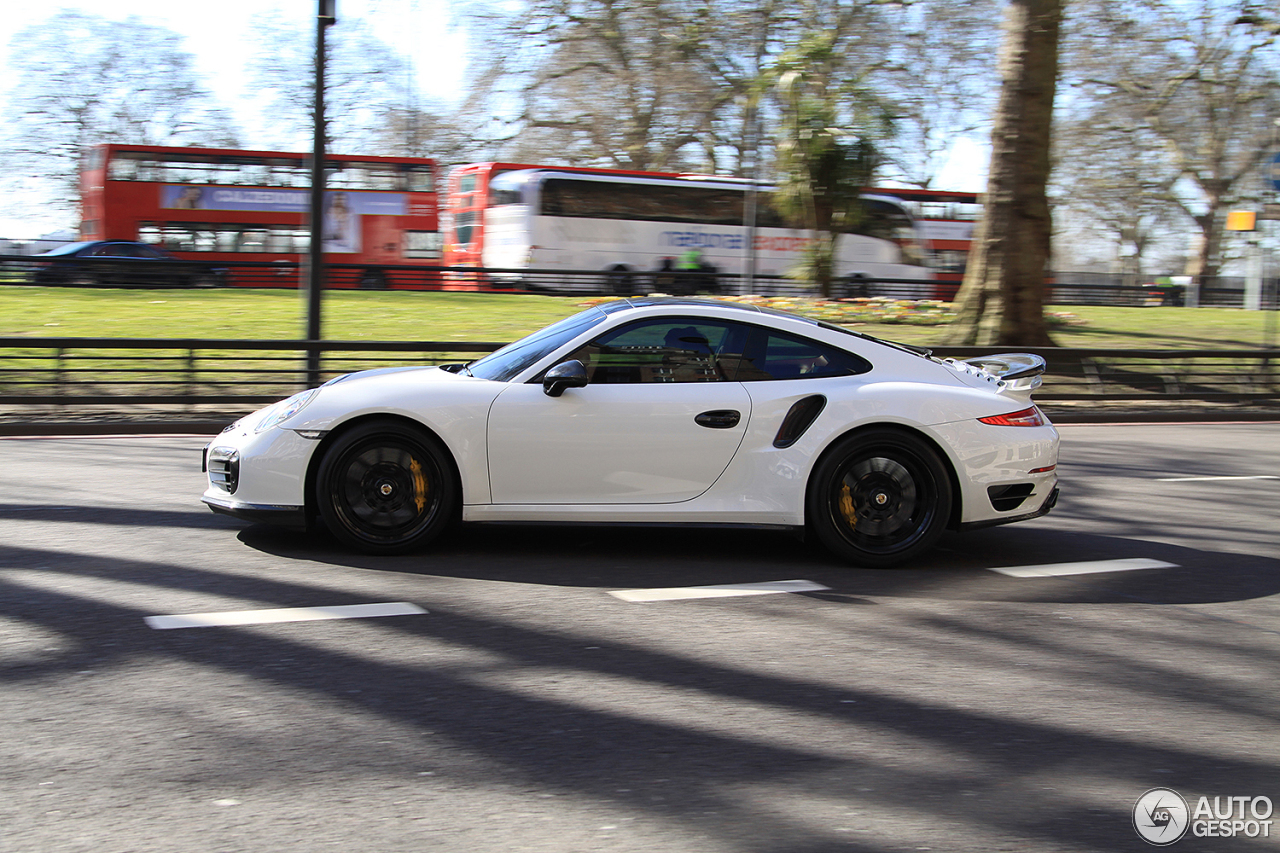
(1208, 479)
(1055, 570)
(287, 614)
(726, 590)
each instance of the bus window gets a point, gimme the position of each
(279, 241)
(510, 191)
(464, 225)
(385, 179)
(422, 244)
(252, 240)
(466, 184)
(419, 178)
(122, 170)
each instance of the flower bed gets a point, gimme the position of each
(845, 312)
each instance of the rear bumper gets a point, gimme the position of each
(1049, 503)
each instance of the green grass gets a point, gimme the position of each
(426, 316)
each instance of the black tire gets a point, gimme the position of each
(619, 281)
(855, 286)
(86, 278)
(386, 488)
(373, 280)
(879, 498)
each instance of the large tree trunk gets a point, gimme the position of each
(1001, 302)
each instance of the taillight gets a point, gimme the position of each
(1031, 417)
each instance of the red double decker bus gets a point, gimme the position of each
(220, 204)
(946, 218)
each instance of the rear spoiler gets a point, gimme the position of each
(1016, 371)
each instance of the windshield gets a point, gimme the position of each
(507, 363)
(69, 248)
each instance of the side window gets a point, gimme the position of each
(775, 355)
(679, 350)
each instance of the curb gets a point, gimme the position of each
(70, 428)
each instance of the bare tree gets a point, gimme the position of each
(941, 81)
(1194, 85)
(655, 84)
(611, 82)
(1114, 187)
(124, 81)
(371, 100)
(1001, 301)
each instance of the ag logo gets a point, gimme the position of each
(1160, 816)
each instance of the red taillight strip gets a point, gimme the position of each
(1044, 470)
(1026, 418)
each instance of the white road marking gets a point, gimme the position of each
(287, 614)
(1208, 479)
(725, 590)
(1054, 570)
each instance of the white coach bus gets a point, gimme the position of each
(626, 225)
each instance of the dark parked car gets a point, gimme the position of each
(121, 263)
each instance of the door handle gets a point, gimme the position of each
(719, 419)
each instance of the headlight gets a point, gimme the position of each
(282, 411)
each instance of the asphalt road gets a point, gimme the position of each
(943, 706)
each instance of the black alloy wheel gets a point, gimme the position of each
(386, 488)
(880, 497)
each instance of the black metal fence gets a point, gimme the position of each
(66, 374)
(1065, 288)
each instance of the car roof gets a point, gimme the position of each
(624, 303)
(684, 302)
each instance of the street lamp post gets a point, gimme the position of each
(326, 16)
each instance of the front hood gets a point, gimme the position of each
(426, 394)
(385, 371)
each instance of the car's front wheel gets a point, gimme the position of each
(880, 497)
(386, 488)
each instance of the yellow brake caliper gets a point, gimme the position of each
(419, 485)
(846, 505)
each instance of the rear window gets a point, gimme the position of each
(776, 355)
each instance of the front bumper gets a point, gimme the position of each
(266, 483)
(285, 516)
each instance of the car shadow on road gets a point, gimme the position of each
(963, 567)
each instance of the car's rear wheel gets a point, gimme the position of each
(386, 488)
(619, 281)
(880, 497)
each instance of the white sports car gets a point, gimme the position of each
(657, 411)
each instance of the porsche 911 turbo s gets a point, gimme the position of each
(659, 411)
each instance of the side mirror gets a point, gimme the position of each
(568, 374)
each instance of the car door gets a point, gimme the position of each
(658, 421)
